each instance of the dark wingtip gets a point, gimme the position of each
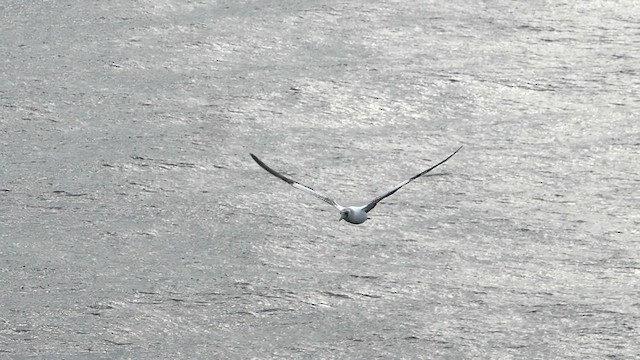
(258, 161)
(455, 152)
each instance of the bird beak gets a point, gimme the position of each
(343, 216)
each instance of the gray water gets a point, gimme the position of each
(134, 224)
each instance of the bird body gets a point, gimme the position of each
(354, 214)
(351, 214)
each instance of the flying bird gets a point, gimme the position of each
(351, 214)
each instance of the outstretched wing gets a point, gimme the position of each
(375, 201)
(296, 184)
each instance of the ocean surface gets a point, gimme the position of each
(134, 224)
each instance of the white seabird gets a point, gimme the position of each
(352, 214)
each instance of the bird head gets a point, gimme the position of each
(344, 213)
